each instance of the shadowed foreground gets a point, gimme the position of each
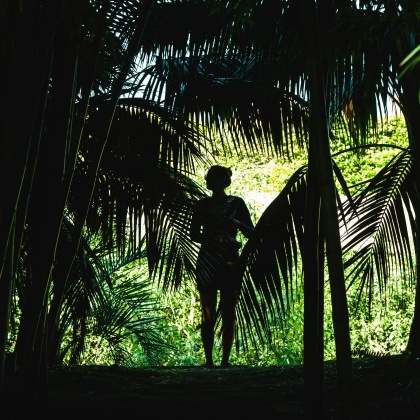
(386, 388)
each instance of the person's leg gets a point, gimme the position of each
(208, 301)
(227, 306)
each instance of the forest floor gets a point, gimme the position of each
(384, 388)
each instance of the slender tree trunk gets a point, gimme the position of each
(318, 83)
(24, 93)
(313, 331)
(6, 288)
(410, 100)
(47, 202)
(411, 109)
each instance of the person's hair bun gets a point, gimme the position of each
(223, 171)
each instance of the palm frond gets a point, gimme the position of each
(270, 262)
(378, 241)
(103, 298)
(131, 311)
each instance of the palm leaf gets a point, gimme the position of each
(378, 240)
(270, 262)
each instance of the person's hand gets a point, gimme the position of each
(231, 222)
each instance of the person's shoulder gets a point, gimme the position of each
(236, 198)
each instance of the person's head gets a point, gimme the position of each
(218, 175)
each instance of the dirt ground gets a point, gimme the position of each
(385, 388)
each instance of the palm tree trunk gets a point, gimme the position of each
(6, 288)
(411, 108)
(313, 328)
(25, 93)
(47, 203)
(316, 19)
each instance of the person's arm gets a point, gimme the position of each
(243, 221)
(247, 230)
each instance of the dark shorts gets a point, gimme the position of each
(214, 273)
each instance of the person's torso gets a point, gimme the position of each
(214, 226)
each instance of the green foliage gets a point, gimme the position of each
(125, 326)
(365, 162)
(381, 329)
(182, 315)
(287, 345)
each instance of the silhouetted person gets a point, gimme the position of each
(215, 224)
